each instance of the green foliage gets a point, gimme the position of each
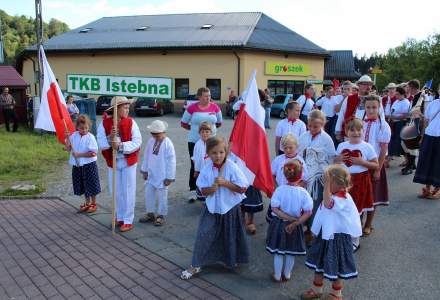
(19, 32)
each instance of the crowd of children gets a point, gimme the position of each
(327, 189)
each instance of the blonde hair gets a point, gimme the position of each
(316, 114)
(83, 120)
(354, 124)
(292, 169)
(205, 126)
(339, 175)
(202, 90)
(289, 138)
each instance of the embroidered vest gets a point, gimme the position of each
(352, 104)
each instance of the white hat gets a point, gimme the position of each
(158, 126)
(365, 79)
(391, 85)
(118, 100)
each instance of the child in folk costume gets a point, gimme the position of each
(290, 146)
(318, 151)
(220, 235)
(159, 170)
(306, 102)
(377, 133)
(292, 124)
(128, 143)
(336, 223)
(199, 155)
(291, 207)
(85, 177)
(399, 115)
(359, 157)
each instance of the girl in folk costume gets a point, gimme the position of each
(377, 133)
(318, 151)
(290, 146)
(387, 103)
(85, 177)
(336, 223)
(292, 124)
(291, 207)
(199, 155)
(220, 235)
(359, 157)
(428, 170)
(306, 102)
(159, 170)
(399, 115)
(128, 143)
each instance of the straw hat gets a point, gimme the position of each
(365, 79)
(158, 126)
(118, 100)
(391, 85)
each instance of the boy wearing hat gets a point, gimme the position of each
(127, 140)
(159, 170)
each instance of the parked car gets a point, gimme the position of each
(190, 99)
(279, 105)
(103, 103)
(146, 106)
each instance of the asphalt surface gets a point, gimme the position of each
(399, 260)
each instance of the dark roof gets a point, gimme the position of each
(340, 65)
(9, 77)
(248, 30)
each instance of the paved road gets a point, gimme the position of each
(398, 261)
(48, 251)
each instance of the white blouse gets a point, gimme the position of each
(400, 108)
(367, 153)
(308, 106)
(83, 144)
(278, 168)
(161, 164)
(328, 105)
(223, 199)
(343, 217)
(292, 200)
(199, 155)
(432, 114)
(376, 133)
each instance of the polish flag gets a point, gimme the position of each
(249, 141)
(53, 115)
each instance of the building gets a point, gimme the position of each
(18, 88)
(217, 50)
(340, 66)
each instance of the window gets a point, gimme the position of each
(286, 87)
(181, 88)
(215, 86)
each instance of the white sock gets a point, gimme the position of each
(288, 265)
(278, 266)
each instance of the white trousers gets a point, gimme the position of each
(125, 190)
(151, 193)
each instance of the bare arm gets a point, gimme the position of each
(283, 215)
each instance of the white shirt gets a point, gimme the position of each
(433, 128)
(321, 148)
(159, 166)
(292, 200)
(223, 199)
(339, 98)
(128, 147)
(400, 107)
(327, 106)
(83, 144)
(278, 166)
(285, 127)
(367, 153)
(309, 104)
(388, 107)
(376, 133)
(199, 155)
(343, 217)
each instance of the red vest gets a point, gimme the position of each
(385, 99)
(352, 104)
(124, 129)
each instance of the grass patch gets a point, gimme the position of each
(26, 156)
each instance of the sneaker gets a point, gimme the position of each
(192, 196)
(146, 218)
(126, 227)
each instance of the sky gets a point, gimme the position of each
(365, 26)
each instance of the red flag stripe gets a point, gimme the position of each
(58, 112)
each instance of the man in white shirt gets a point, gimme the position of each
(327, 105)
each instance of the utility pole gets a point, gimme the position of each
(39, 29)
(2, 56)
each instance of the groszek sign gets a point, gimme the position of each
(130, 86)
(282, 68)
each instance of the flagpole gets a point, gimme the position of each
(114, 152)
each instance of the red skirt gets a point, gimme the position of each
(362, 191)
(380, 188)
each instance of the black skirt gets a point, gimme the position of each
(278, 241)
(253, 202)
(85, 180)
(395, 147)
(332, 258)
(428, 166)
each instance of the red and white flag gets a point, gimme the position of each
(53, 115)
(249, 141)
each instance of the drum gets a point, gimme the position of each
(410, 136)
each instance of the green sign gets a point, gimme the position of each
(282, 68)
(314, 81)
(129, 86)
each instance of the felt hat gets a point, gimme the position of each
(119, 100)
(365, 79)
(391, 85)
(158, 126)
